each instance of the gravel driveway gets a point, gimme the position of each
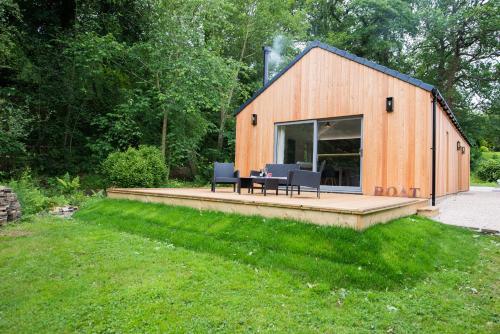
(478, 208)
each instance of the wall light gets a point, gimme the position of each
(463, 149)
(254, 119)
(458, 146)
(389, 104)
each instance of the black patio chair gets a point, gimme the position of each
(224, 173)
(282, 170)
(305, 178)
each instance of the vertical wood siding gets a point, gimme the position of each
(396, 146)
(452, 169)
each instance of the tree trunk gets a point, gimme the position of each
(164, 135)
(225, 107)
(165, 123)
(193, 163)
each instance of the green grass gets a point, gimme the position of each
(123, 266)
(476, 181)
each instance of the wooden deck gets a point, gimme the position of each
(354, 211)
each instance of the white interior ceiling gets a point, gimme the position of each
(339, 129)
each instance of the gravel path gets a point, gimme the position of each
(478, 208)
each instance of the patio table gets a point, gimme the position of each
(246, 182)
(267, 182)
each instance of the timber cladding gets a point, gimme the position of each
(397, 146)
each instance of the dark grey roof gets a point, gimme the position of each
(366, 62)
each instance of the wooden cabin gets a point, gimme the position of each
(381, 132)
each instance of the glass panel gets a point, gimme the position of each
(295, 144)
(339, 143)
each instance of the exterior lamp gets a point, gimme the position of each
(463, 149)
(458, 146)
(389, 104)
(254, 119)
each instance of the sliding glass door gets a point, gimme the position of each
(338, 142)
(339, 145)
(295, 144)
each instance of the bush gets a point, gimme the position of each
(489, 170)
(92, 182)
(70, 189)
(67, 185)
(475, 157)
(31, 197)
(142, 167)
(484, 149)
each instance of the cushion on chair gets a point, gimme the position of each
(281, 170)
(226, 179)
(224, 169)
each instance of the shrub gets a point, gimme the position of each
(31, 197)
(142, 167)
(484, 149)
(92, 182)
(70, 188)
(475, 157)
(67, 185)
(489, 170)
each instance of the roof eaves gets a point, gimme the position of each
(450, 114)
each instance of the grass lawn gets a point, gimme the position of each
(476, 181)
(122, 266)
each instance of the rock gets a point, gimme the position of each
(10, 209)
(392, 308)
(64, 211)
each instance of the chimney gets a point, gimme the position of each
(267, 52)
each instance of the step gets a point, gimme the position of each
(428, 211)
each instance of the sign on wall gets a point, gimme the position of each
(395, 192)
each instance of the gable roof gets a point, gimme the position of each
(403, 77)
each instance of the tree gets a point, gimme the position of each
(459, 47)
(250, 26)
(186, 76)
(458, 51)
(374, 29)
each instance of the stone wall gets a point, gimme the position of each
(10, 209)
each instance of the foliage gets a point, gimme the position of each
(70, 189)
(30, 195)
(82, 79)
(67, 185)
(368, 28)
(481, 161)
(38, 194)
(491, 155)
(458, 52)
(14, 129)
(142, 167)
(489, 170)
(211, 270)
(475, 157)
(476, 181)
(92, 182)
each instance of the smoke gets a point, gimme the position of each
(276, 55)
